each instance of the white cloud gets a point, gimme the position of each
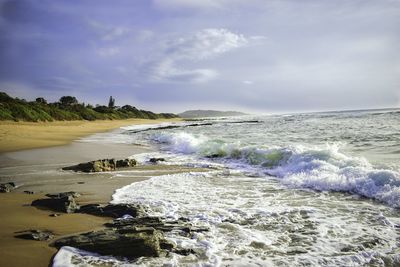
(206, 44)
(247, 82)
(167, 71)
(144, 35)
(203, 45)
(107, 51)
(173, 4)
(205, 5)
(108, 32)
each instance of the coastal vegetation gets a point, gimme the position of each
(68, 108)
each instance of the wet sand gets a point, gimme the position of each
(39, 170)
(17, 215)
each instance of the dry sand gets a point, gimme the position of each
(39, 170)
(25, 135)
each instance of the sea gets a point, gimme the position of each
(311, 189)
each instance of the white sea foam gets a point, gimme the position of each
(258, 226)
(319, 168)
(69, 256)
(121, 136)
(292, 218)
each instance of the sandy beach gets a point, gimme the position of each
(26, 135)
(39, 170)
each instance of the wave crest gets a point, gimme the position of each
(318, 168)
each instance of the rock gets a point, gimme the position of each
(129, 242)
(132, 236)
(181, 226)
(80, 182)
(124, 163)
(64, 194)
(213, 156)
(102, 165)
(55, 215)
(155, 160)
(185, 251)
(94, 166)
(114, 211)
(29, 192)
(37, 235)
(63, 204)
(7, 187)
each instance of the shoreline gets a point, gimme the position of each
(17, 136)
(39, 170)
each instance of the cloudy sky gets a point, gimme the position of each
(173, 55)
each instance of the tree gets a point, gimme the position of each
(68, 100)
(41, 100)
(111, 102)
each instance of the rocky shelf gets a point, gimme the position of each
(130, 235)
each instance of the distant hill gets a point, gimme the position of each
(209, 113)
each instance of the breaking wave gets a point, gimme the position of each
(318, 168)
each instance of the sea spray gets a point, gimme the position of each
(290, 190)
(319, 168)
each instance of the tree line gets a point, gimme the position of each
(69, 108)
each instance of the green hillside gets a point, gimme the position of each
(68, 108)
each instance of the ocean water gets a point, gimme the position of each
(320, 189)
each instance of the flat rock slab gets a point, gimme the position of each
(64, 194)
(113, 210)
(102, 165)
(129, 243)
(62, 204)
(38, 235)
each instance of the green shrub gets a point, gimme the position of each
(67, 109)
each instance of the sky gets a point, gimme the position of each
(174, 55)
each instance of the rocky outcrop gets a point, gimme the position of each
(7, 187)
(123, 242)
(155, 160)
(182, 226)
(64, 194)
(102, 165)
(62, 202)
(132, 238)
(37, 235)
(125, 163)
(114, 211)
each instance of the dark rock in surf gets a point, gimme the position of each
(128, 242)
(64, 194)
(155, 160)
(181, 226)
(213, 156)
(7, 187)
(114, 211)
(37, 235)
(132, 237)
(125, 163)
(62, 204)
(102, 165)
